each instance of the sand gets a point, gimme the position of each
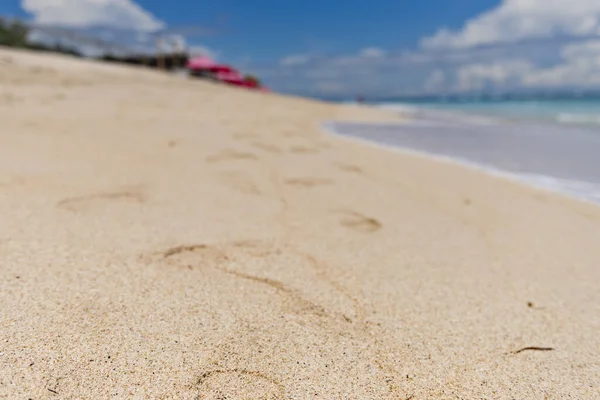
(165, 239)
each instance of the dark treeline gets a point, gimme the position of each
(13, 34)
(16, 34)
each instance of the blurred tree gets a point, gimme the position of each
(14, 34)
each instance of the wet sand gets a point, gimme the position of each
(167, 239)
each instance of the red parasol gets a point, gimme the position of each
(201, 63)
(222, 68)
(232, 77)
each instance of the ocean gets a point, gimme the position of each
(548, 144)
(579, 112)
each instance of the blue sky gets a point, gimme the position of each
(378, 47)
(271, 29)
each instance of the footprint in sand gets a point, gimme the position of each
(192, 256)
(238, 384)
(294, 134)
(304, 149)
(269, 148)
(259, 255)
(54, 98)
(350, 168)
(229, 372)
(324, 145)
(230, 155)
(309, 182)
(78, 203)
(240, 181)
(43, 70)
(359, 222)
(9, 98)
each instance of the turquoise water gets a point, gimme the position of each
(585, 112)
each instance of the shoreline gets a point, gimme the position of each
(580, 190)
(488, 170)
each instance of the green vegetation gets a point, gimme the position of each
(16, 34)
(13, 34)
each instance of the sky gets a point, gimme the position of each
(377, 48)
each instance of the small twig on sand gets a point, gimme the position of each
(533, 348)
(53, 391)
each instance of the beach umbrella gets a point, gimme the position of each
(201, 63)
(222, 68)
(248, 84)
(232, 77)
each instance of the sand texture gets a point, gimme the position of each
(161, 239)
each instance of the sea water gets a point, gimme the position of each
(549, 146)
(580, 112)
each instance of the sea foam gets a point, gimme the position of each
(448, 142)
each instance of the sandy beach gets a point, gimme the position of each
(168, 239)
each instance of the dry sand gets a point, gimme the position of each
(164, 239)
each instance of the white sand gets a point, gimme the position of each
(167, 239)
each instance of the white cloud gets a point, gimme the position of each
(587, 49)
(581, 67)
(329, 88)
(515, 20)
(435, 81)
(477, 76)
(372, 52)
(461, 60)
(199, 50)
(171, 42)
(322, 72)
(178, 42)
(362, 57)
(297, 59)
(124, 14)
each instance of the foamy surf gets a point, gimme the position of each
(553, 177)
(578, 119)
